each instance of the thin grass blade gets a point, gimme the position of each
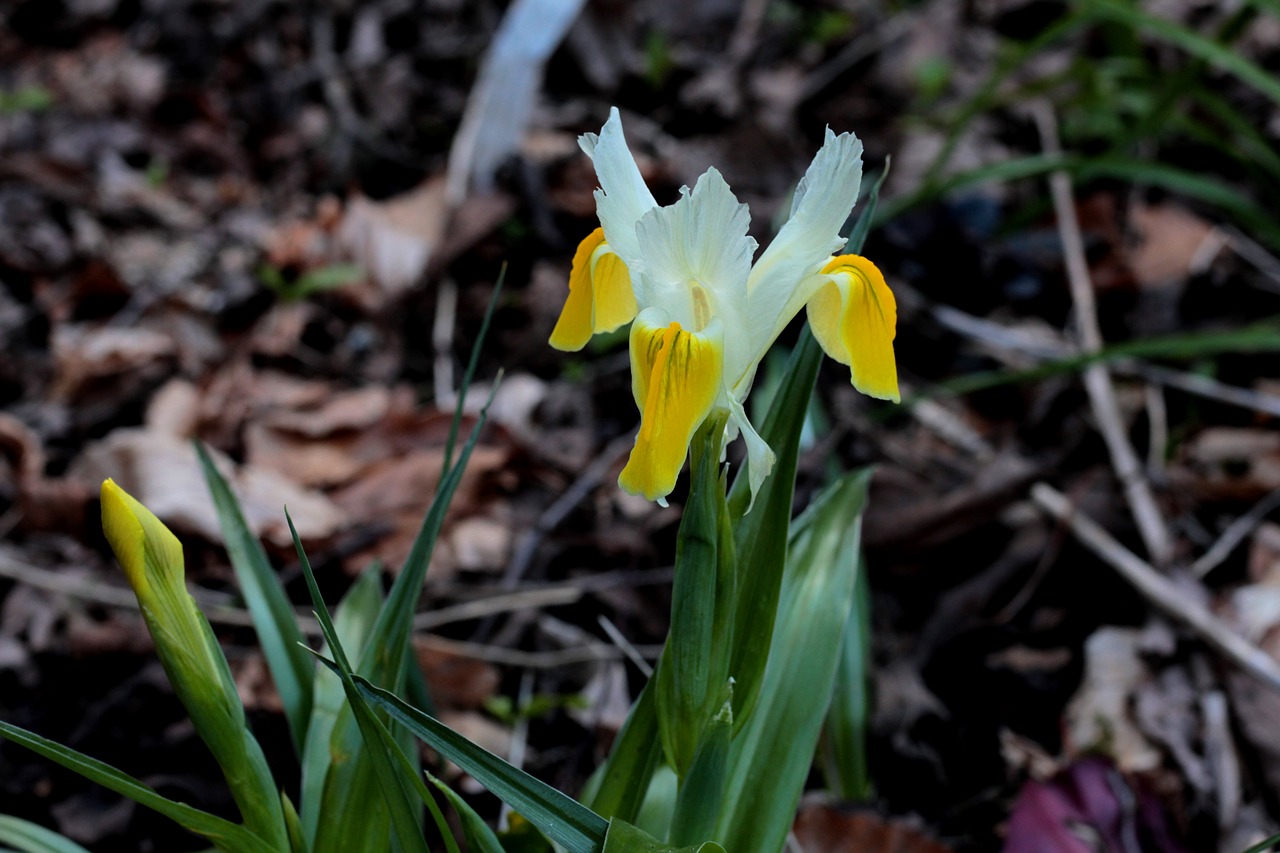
(353, 620)
(274, 619)
(561, 818)
(388, 765)
(480, 838)
(225, 835)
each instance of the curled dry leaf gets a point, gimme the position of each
(1098, 716)
(1230, 463)
(162, 472)
(393, 240)
(85, 354)
(43, 503)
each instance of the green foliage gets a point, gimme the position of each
(771, 756)
(223, 834)
(26, 99)
(278, 633)
(1126, 114)
(844, 734)
(563, 819)
(27, 837)
(693, 675)
(314, 281)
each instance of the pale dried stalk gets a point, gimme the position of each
(1158, 589)
(1097, 381)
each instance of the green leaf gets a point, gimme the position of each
(844, 736)
(27, 837)
(469, 375)
(354, 619)
(386, 657)
(1206, 49)
(702, 791)
(624, 777)
(773, 753)
(480, 838)
(1265, 846)
(225, 835)
(274, 619)
(389, 767)
(151, 557)
(625, 838)
(564, 820)
(692, 672)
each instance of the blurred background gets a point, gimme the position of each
(275, 226)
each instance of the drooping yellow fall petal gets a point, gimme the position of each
(676, 378)
(854, 317)
(600, 295)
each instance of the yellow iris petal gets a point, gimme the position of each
(600, 295)
(854, 317)
(676, 379)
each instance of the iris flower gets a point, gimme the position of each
(703, 314)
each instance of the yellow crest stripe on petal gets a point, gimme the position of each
(676, 377)
(854, 317)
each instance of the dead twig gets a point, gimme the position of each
(1235, 534)
(554, 515)
(1158, 589)
(1097, 381)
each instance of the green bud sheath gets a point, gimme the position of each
(152, 560)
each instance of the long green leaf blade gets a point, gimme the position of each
(480, 838)
(224, 834)
(354, 618)
(384, 758)
(1219, 55)
(844, 747)
(27, 837)
(292, 670)
(636, 753)
(563, 819)
(778, 742)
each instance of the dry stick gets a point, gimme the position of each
(442, 343)
(1097, 381)
(624, 645)
(533, 660)
(1002, 340)
(1235, 534)
(554, 515)
(220, 613)
(1158, 589)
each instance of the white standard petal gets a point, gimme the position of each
(700, 241)
(623, 196)
(823, 200)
